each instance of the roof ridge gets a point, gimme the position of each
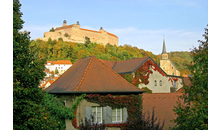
(80, 83)
(119, 76)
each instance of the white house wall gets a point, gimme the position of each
(165, 88)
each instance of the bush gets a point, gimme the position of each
(142, 123)
(90, 125)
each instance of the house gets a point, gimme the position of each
(147, 73)
(47, 84)
(60, 65)
(163, 105)
(109, 96)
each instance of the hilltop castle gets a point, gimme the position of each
(73, 33)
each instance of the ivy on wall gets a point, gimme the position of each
(132, 102)
(58, 111)
(141, 75)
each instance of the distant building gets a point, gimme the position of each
(166, 64)
(60, 65)
(73, 33)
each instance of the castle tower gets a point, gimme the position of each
(164, 54)
(64, 23)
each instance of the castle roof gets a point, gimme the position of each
(70, 26)
(90, 75)
(60, 62)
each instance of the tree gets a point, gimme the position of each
(87, 41)
(193, 113)
(28, 113)
(52, 30)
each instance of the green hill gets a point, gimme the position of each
(59, 50)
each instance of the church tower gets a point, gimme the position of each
(166, 64)
(164, 54)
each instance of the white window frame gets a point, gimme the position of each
(155, 82)
(117, 121)
(96, 115)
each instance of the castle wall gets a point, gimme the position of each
(77, 34)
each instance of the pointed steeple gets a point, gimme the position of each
(164, 47)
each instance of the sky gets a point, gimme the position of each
(140, 23)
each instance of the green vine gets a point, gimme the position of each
(59, 111)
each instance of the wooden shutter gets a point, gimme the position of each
(124, 115)
(107, 115)
(88, 113)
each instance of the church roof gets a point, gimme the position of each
(164, 47)
(90, 75)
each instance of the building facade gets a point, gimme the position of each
(73, 33)
(60, 65)
(158, 81)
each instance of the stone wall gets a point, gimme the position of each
(77, 35)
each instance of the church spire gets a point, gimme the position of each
(164, 47)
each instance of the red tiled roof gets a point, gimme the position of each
(110, 64)
(128, 65)
(89, 30)
(90, 75)
(60, 62)
(64, 27)
(163, 104)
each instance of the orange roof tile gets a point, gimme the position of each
(60, 62)
(64, 27)
(90, 30)
(163, 104)
(128, 65)
(110, 64)
(90, 75)
(111, 34)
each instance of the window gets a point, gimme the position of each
(97, 114)
(109, 115)
(155, 82)
(117, 115)
(174, 83)
(61, 67)
(160, 82)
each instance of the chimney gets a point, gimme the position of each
(64, 23)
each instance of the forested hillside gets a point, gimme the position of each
(59, 50)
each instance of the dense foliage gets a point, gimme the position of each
(28, 111)
(193, 114)
(59, 50)
(32, 107)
